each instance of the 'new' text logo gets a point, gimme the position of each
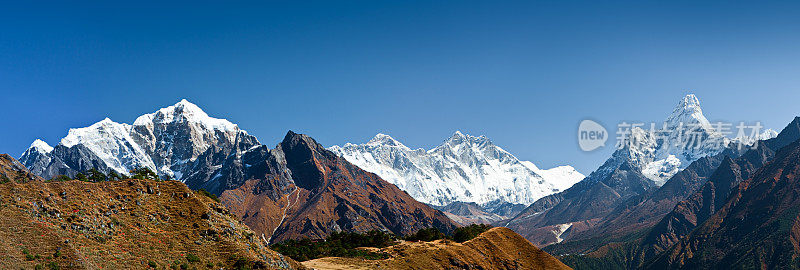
(591, 135)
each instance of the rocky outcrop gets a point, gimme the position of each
(12, 170)
(301, 190)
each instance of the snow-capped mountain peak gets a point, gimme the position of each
(463, 168)
(688, 112)
(763, 136)
(168, 141)
(383, 139)
(457, 137)
(41, 146)
(185, 111)
(95, 132)
(685, 137)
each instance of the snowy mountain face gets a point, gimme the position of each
(172, 141)
(112, 143)
(463, 169)
(176, 136)
(660, 155)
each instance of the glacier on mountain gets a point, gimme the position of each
(463, 169)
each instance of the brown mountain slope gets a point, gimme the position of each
(757, 227)
(126, 224)
(701, 205)
(305, 191)
(618, 234)
(582, 206)
(498, 248)
(12, 170)
(646, 210)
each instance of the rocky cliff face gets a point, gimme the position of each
(301, 190)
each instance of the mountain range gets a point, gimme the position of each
(640, 166)
(137, 223)
(463, 169)
(299, 189)
(180, 142)
(656, 203)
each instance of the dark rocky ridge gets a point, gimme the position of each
(757, 226)
(302, 190)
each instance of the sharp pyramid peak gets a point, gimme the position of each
(689, 104)
(689, 101)
(688, 111)
(294, 140)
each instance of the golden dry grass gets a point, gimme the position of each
(498, 248)
(122, 224)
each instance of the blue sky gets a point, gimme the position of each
(523, 73)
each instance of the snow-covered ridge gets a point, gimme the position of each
(463, 168)
(166, 141)
(112, 143)
(185, 111)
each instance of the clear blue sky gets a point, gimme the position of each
(523, 73)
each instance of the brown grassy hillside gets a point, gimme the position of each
(498, 248)
(129, 224)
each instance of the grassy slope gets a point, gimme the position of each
(122, 224)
